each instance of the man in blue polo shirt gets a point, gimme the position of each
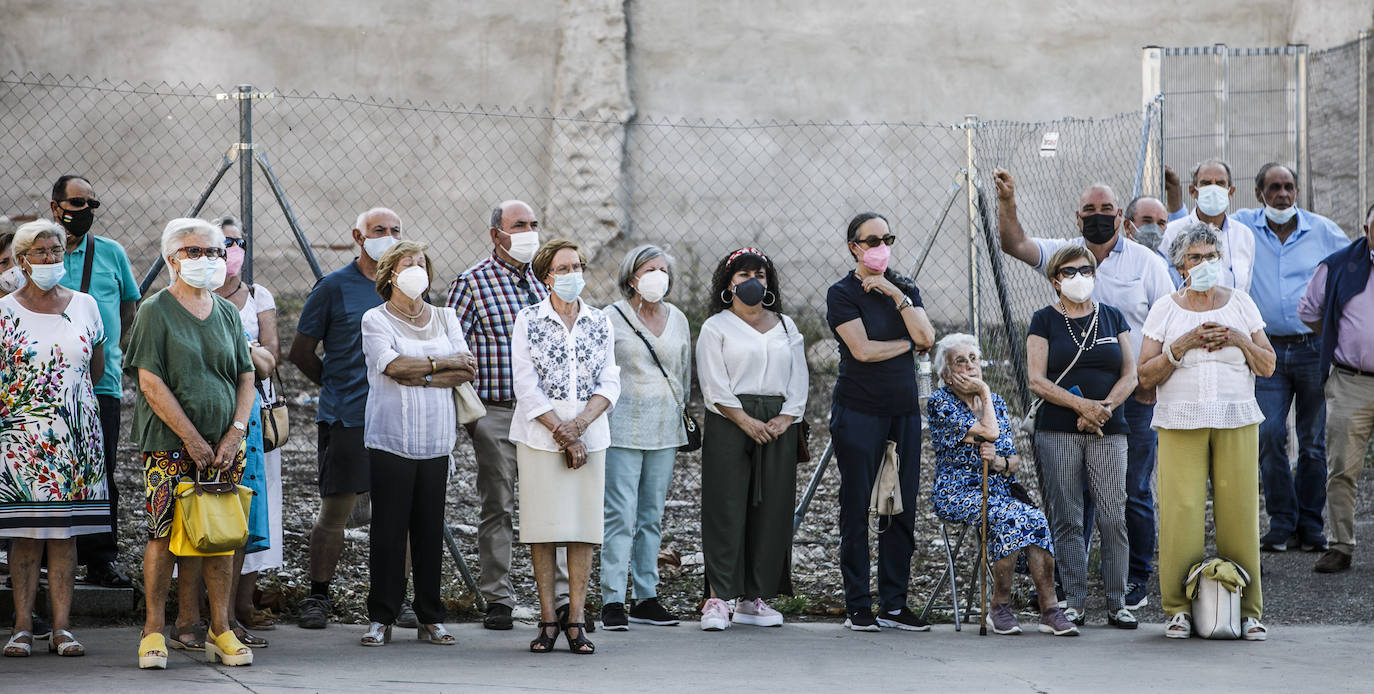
(332, 317)
(99, 266)
(1289, 243)
(1131, 278)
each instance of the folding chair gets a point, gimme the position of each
(951, 575)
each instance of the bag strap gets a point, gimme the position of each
(1035, 406)
(89, 263)
(652, 353)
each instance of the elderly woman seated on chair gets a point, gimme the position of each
(968, 425)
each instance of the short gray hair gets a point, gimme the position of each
(1192, 234)
(636, 259)
(940, 362)
(361, 223)
(32, 232)
(182, 227)
(1197, 170)
(227, 220)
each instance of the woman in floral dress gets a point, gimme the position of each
(52, 462)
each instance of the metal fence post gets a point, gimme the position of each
(1151, 93)
(1363, 138)
(245, 96)
(975, 323)
(1221, 54)
(1301, 154)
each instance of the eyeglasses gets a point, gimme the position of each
(45, 253)
(965, 361)
(1084, 270)
(194, 252)
(229, 243)
(530, 297)
(1194, 258)
(568, 269)
(874, 241)
(82, 202)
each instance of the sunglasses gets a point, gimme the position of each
(530, 297)
(194, 252)
(874, 241)
(229, 243)
(1085, 271)
(82, 202)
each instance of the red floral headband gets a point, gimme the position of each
(746, 251)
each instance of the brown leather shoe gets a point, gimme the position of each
(1333, 561)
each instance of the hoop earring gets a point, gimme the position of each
(727, 297)
(769, 298)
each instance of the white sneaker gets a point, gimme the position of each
(758, 613)
(715, 615)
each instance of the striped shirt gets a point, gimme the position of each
(487, 296)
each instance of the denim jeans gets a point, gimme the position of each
(636, 489)
(1294, 499)
(1141, 445)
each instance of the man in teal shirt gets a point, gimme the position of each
(99, 266)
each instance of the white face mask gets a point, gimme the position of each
(1077, 289)
(1278, 216)
(12, 280)
(653, 286)
(47, 276)
(1213, 200)
(523, 246)
(203, 272)
(376, 247)
(412, 281)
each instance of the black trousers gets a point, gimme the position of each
(407, 498)
(103, 547)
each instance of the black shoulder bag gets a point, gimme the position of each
(688, 422)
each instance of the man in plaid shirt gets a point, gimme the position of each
(487, 296)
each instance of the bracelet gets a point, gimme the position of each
(433, 365)
(905, 304)
(1169, 354)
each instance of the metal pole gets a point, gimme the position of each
(930, 239)
(1301, 153)
(1363, 138)
(811, 487)
(226, 161)
(290, 214)
(1151, 93)
(970, 123)
(1224, 141)
(245, 97)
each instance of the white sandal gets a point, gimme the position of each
(377, 635)
(435, 634)
(1180, 626)
(1253, 630)
(15, 649)
(70, 648)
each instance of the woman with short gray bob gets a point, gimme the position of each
(653, 346)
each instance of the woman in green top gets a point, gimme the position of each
(195, 394)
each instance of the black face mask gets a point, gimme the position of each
(1099, 228)
(750, 291)
(77, 222)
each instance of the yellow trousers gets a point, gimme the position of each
(1187, 459)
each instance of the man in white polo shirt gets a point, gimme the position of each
(1130, 277)
(1211, 189)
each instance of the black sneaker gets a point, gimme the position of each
(903, 619)
(649, 611)
(1275, 541)
(498, 617)
(861, 620)
(108, 575)
(406, 619)
(314, 612)
(41, 628)
(613, 617)
(1136, 596)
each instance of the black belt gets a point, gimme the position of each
(1292, 339)
(509, 404)
(1352, 370)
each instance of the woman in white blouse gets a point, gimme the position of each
(563, 361)
(415, 355)
(653, 348)
(751, 365)
(1203, 346)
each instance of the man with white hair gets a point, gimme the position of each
(332, 317)
(1212, 188)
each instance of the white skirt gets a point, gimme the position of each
(270, 558)
(559, 504)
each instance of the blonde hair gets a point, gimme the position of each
(386, 265)
(543, 259)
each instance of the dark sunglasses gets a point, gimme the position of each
(82, 202)
(194, 252)
(530, 297)
(229, 243)
(1085, 271)
(873, 241)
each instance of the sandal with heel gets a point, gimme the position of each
(70, 648)
(435, 634)
(226, 648)
(545, 643)
(579, 645)
(377, 635)
(152, 652)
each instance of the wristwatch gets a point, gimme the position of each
(906, 301)
(243, 428)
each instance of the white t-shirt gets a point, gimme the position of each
(1210, 390)
(735, 359)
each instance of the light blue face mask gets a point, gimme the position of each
(1204, 275)
(47, 276)
(568, 287)
(1213, 200)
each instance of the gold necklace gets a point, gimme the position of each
(405, 315)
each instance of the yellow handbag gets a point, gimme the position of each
(209, 519)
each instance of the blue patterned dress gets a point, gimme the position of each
(958, 490)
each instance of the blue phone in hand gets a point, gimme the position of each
(1076, 391)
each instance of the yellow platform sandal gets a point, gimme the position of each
(226, 648)
(152, 652)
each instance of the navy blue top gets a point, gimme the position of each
(333, 314)
(880, 388)
(1095, 372)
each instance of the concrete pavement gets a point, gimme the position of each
(820, 657)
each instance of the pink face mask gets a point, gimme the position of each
(233, 260)
(875, 258)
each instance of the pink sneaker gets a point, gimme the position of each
(715, 615)
(758, 613)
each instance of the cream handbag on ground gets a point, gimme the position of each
(1216, 606)
(886, 499)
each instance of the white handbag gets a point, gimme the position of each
(886, 497)
(1216, 608)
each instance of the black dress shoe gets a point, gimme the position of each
(498, 617)
(108, 575)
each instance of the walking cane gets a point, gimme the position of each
(983, 554)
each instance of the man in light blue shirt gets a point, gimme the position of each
(1289, 243)
(1131, 278)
